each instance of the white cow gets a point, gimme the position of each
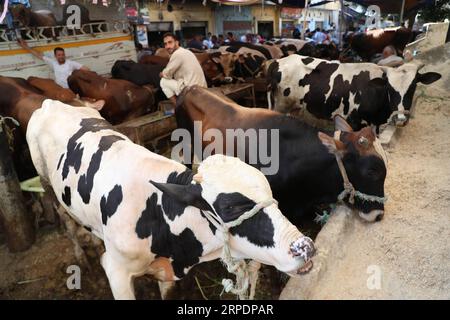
(153, 214)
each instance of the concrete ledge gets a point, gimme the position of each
(329, 245)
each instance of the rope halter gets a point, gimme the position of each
(238, 267)
(349, 190)
(2, 120)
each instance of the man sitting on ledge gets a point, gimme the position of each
(183, 69)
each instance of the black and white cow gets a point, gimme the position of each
(362, 93)
(150, 211)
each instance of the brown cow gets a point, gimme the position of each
(39, 18)
(374, 41)
(240, 62)
(52, 90)
(19, 100)
(304, 169)
(123, 99)
(211, 69)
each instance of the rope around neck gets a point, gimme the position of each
(350, 190)
(238, 267)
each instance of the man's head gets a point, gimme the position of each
(60, 55)
(230, 35)
(171, 42)
(388, 51)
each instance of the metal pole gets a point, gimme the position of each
(16, 221)
(402, 12)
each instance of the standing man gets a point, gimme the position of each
(183, 69)
(62, 67)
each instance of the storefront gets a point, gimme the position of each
(289, 20)
(235, 19)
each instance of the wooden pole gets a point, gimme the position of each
(402, 12)
(17, 224)
(341, 23)
(304, 20)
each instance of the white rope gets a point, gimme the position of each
(2, 120)
(5, 10)
(238, 267)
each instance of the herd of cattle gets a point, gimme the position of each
(153, 213)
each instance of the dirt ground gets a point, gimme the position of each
(407, 254)
(41, 273)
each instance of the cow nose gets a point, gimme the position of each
(303, 247)
(379, 217)
(228, 79)
(400, 120)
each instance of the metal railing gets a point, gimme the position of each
(67, 33)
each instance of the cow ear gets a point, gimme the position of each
(334, 146)
(428, 78)
(341, 124)
(378, 82)
(97, 105)
(216, 59)
(189, 194)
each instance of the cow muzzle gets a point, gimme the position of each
(228, 79)
(372, 216)
(305, 249)
(400, 120)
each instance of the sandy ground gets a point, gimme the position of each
(407, 255)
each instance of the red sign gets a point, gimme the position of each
(290, 13)
(131, 12)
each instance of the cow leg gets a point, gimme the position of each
(71, 227)
(120, 279)
(253, 271)
(166, 289)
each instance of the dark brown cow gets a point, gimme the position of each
(52, 90)
(123, 99)
(18, 99)
(368, 44)
(155, 60)
(308, 173)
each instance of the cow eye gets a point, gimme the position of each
(363, 141)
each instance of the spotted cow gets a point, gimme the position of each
(362, 93)
(240, 62)
(152, 212)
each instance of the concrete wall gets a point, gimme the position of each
(183, 13)
(435, 36)
(226, 13)
(269, 13)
